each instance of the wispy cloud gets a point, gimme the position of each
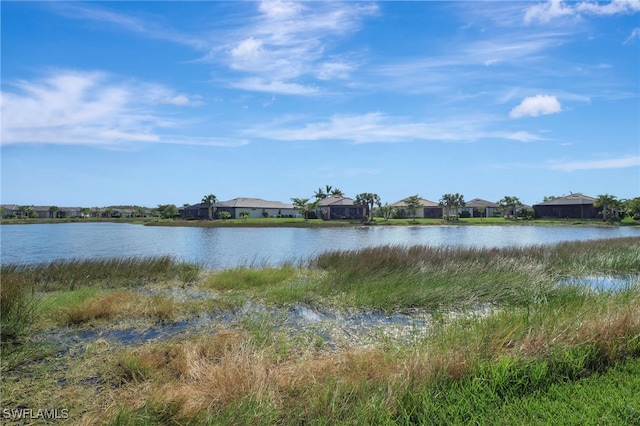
(376, 127)
(290, 41)
(92, 108)
(103, 16)
(635, 34)
(534, 106)
(553, 9)
(612, 163)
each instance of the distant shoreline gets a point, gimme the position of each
(319, 223)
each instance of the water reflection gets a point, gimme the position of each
(603, 282)
(229, 247)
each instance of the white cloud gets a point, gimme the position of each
(273, 86)
(536, 105)
(613, 163)
(635, 34)
(614, 7)
(523, 136)
(92, 108)
(288, 41)
(545, 12)
(376, 127)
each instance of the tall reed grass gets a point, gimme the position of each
(17, 307)
(397, 277)
(117, 272)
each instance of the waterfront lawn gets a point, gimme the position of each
(506, 343)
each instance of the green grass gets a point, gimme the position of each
(542, 353)
(110, 273)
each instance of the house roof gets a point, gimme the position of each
(478, 202)
(253, 203)
(569, 200)
(423, 203)
(336, 201)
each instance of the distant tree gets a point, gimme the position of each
(244, 214)
(450, 202)
(609, 204)
(24, 211)
(446, 202)
(510, 205)
(209, 201)
(320, 194)
(386, 212)
(482, 210)
(549, 198)
(224, 215)
(412, 204)
(108, 212)
(3, 211)
(632, 207)
(335, 192)
(304, 206)
(54, 211)
(167, 211)
(328, 191)
(85, 211)
(368, 200)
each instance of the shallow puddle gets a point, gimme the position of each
(332, 326)
(603, 282)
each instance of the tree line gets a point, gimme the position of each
(511, 207)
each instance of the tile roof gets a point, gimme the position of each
(478, 202)
(423, 203)
(254, 203)
(573, 199)
(336, 201)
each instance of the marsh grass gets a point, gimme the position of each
(110, 273)
(18, 306)
(400, 277)
(471, 368)
(248, 278)
(533, 343)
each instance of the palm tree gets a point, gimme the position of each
(320, 194)
(450, 202)
(304, 206)
(24, 210)
(368, 200)
(209, 201)
(412, 204)
(607, 202)
(54, 211)
(510, 204)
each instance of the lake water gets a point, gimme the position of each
(229, 247)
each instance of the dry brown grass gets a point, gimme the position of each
(118, 304)
(608, 327)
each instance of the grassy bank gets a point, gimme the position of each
(505, 342)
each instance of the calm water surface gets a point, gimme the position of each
(229, 247)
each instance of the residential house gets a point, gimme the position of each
(256, 207)
(574, 206)
(481, 208)
(428, 209)
(9, 210)
(338, 207)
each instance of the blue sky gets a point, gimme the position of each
(147, 103)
